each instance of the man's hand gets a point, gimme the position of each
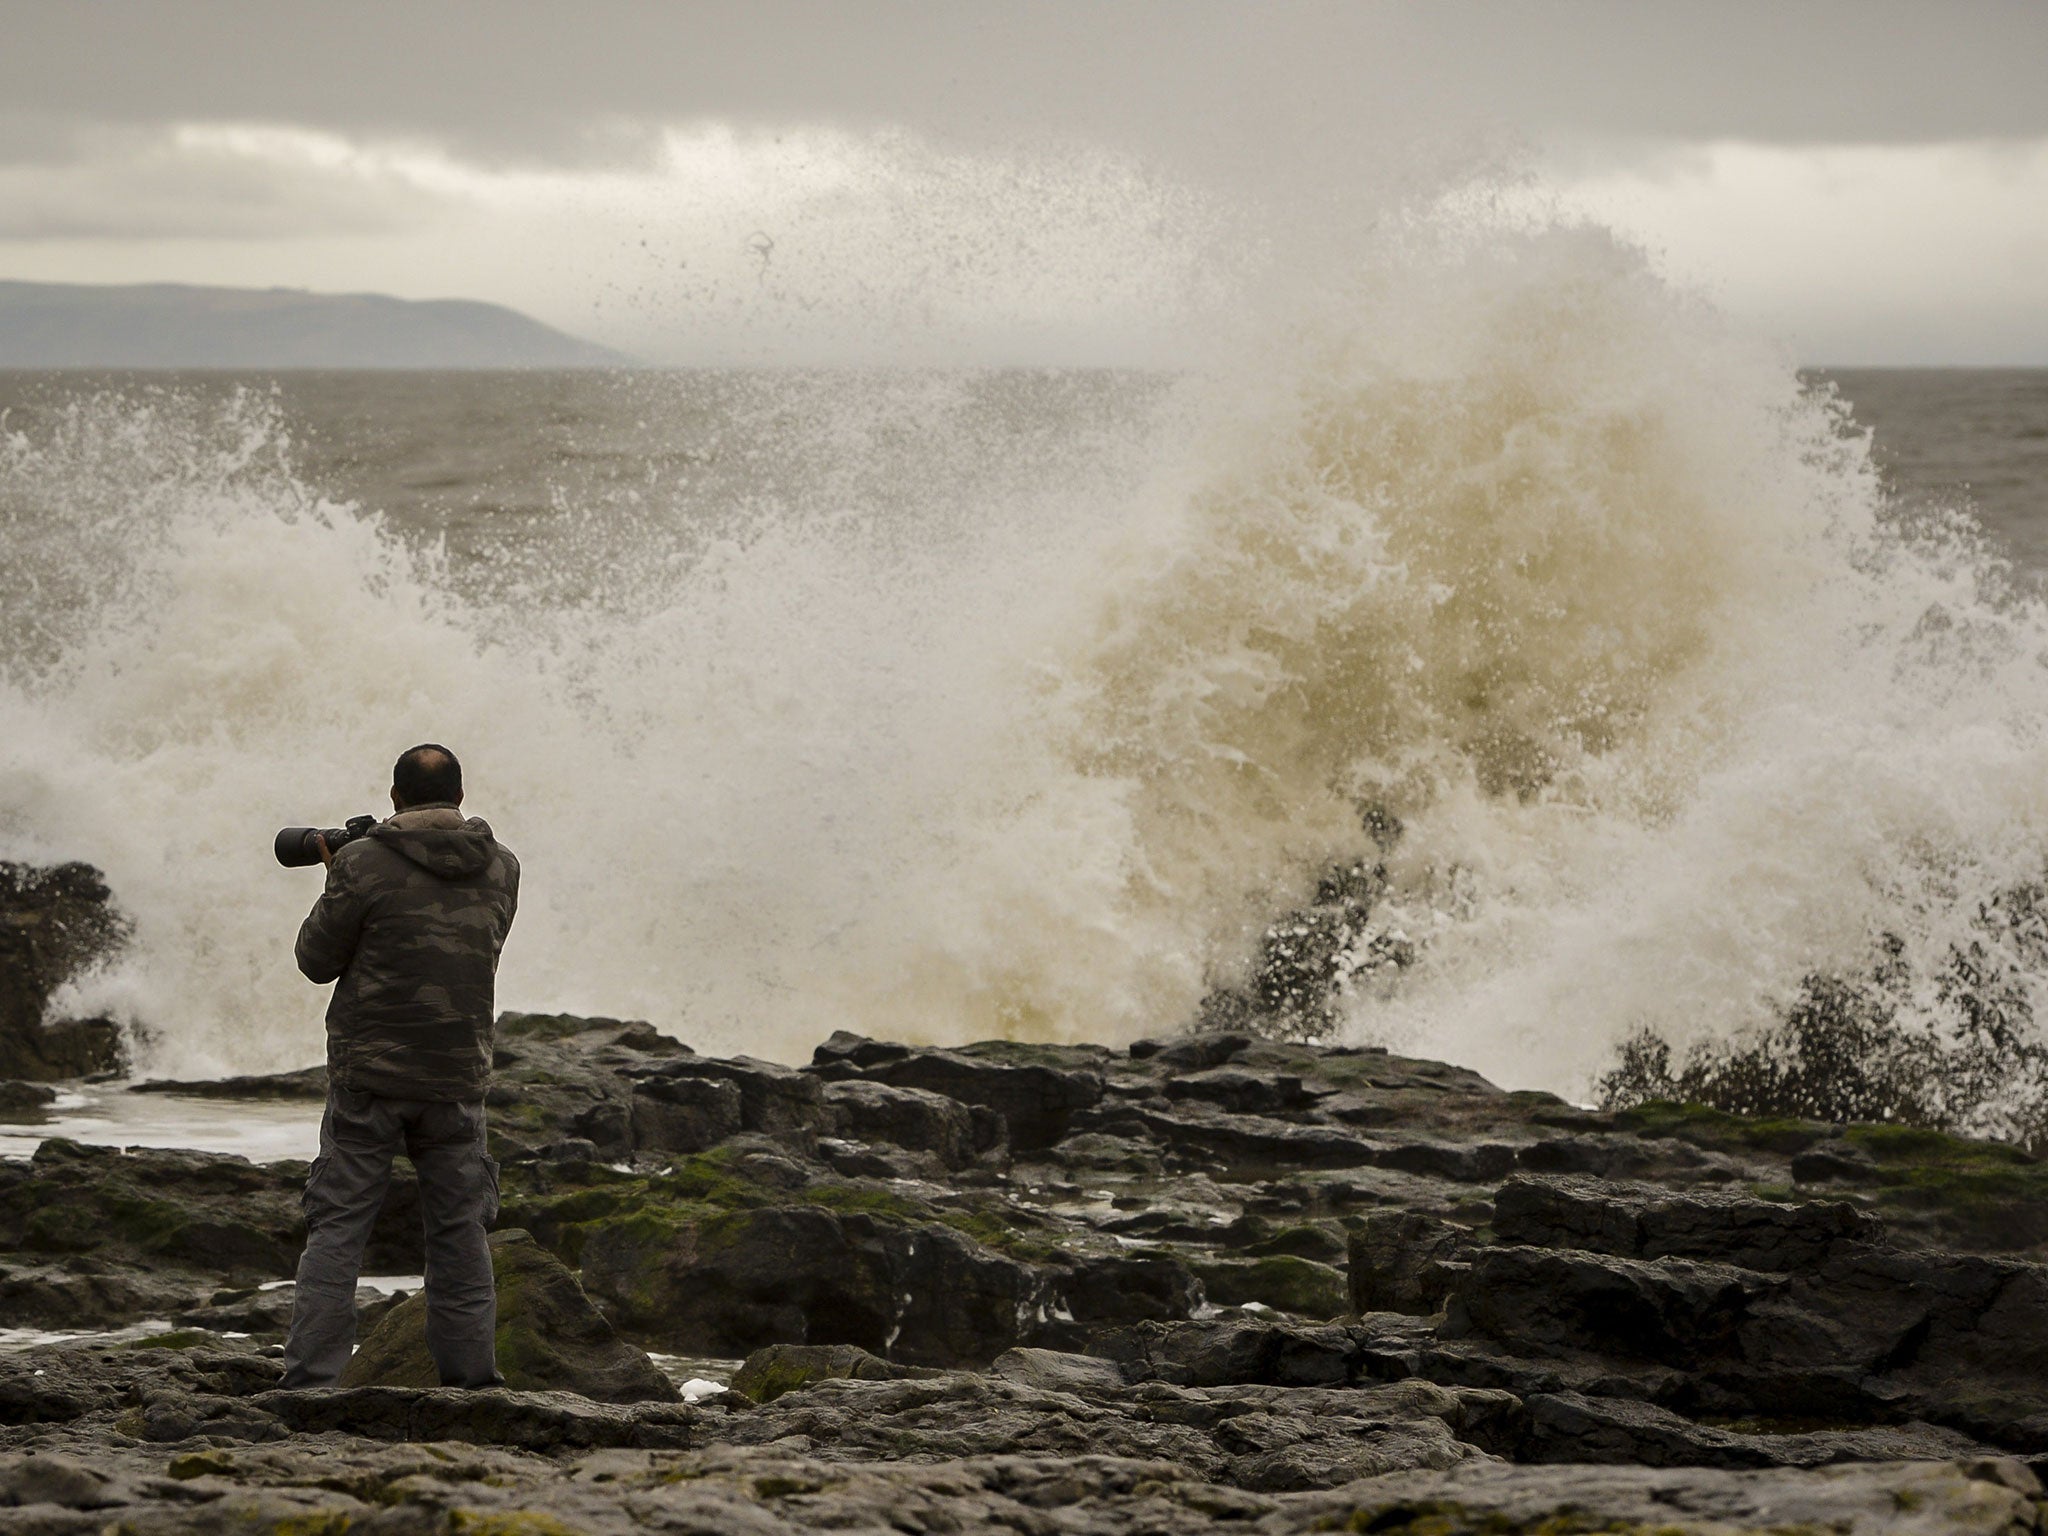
(325, 857)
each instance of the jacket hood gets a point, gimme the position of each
(439, 839)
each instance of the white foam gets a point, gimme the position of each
(1508, 539)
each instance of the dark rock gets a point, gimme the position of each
(540, 1028)
(306, 1083)
(268, 1312)
(768, 1373)
(1459, 1162)
(224, 1214)
(1122, 1154)
(1838, 1162)
(25, 1101)
(216, 1217)
(608, 1126)
(1397, 1262)
(1244, 1437)
(844, 1048)
(679, 1114)
(1036, 1100)
(1164, 1224)
(1128, 1288)
(1971, 1495)
(1866, 1338)
(58, 1384)
(1224, 1353)
(644, 1037)
(942, 1451)
(1281, 1282)
(107, 1295)
(1298, 1242)
(1649, 1223)
(859, 1160)
(1242, 1092)
(773, 1099)
(1622, 1157)
(904, 1117)
(574, 1153)
(991, 1131)
(1196, 1053)
(170, 1416)
(733, 1283)
(550, 1338)
(1380, 1070)
(1676, 1312)
(1245, 1146)
(49, 1478)
(541, 1421)
(261, 1312)
(1568, 1427)
(1049, 1370)
(1654, 1321)
(64, 1048)
(55, 924)
(765, 1162)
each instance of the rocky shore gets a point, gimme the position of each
(1208, 1282)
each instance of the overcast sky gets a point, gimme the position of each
(1030, 180)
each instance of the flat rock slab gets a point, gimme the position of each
(306, 1083)
(495, 1416)
(1636, 1221)
(1962, 1498)
(344, 1484)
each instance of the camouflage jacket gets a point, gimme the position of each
(411, 924)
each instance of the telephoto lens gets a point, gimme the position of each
(297, 847)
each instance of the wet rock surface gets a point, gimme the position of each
(1214, 1280)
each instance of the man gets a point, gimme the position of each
(411, 923)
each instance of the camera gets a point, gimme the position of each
(298, 846)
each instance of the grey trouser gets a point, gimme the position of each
(359, 1134)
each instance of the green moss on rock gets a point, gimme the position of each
(1718, 1130)
(549, 1337)
(1985, 1194)
(1280, 1281)
(696, 1190)
(201, 1464)
(551, 1026)
(780, 1368)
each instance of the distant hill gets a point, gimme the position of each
(171, 325)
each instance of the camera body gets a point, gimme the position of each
(297, 847)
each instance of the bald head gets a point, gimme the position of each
(426, 775)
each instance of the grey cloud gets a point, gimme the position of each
(124, 182)
(538, 79)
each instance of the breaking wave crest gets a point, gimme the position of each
(1512, 548)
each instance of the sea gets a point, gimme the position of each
(949, 704)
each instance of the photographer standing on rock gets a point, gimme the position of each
(411, 923)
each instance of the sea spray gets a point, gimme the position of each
(1509, 546)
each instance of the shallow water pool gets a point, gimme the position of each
(109, 1115)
